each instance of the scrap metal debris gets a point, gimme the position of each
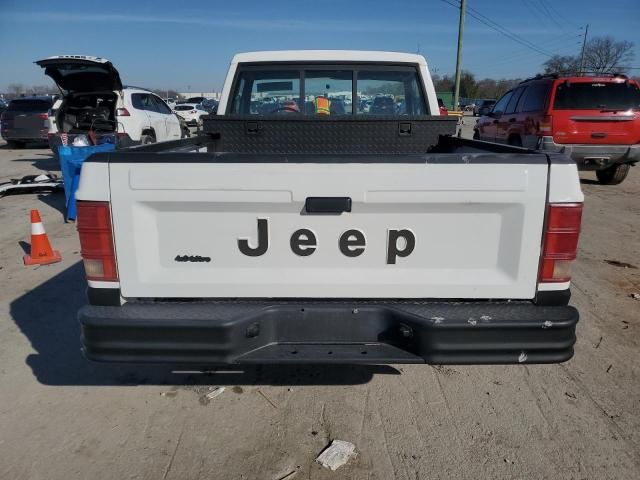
(31, 184)
(635, 296)
(288, 475)
(215, 392)
(337, 454)
(267, 399)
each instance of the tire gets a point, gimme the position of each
(147, 139)
(613, 175)
(14, 144)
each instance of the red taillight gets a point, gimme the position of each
(122, 112)
(560, 241)
(43, 116)
(96, 241)
(545, 126)
(193, 111)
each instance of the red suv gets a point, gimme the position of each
(595, 120)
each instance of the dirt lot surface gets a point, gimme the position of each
(64, 418)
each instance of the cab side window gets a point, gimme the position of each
(500, 106)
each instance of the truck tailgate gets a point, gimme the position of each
(179, 228)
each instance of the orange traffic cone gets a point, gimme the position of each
(41, 251)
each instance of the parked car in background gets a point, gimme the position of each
(26, 120)
(210, 105)
(192, 113)
(593, 119)
(3, 105)
(383, 105)
(198, 100)
(482, 107)
(441, 106)
(95, 100)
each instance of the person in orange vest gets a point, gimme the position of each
(322, 106)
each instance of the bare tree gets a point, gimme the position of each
(443, 84)
(606, 55)
(601, 55)
(561, 63)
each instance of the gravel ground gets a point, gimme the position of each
(64, 418)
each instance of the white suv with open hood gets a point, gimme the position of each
(94, 99)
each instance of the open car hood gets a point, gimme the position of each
(80, 73)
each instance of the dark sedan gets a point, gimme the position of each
(483, 107)
(25, 120)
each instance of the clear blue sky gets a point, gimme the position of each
(182, 44)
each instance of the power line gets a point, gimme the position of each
(499, 28)
(520, 56)
(548, 13)
(533, 10)
(553, 9)
(496, 26)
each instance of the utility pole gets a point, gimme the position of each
(584, 44)
(456, 92)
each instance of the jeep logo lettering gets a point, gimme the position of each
(352, 243)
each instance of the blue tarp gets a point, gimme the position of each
(71, 160)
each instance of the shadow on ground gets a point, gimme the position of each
(45, 162)
(46, 315)
(55, 200)
(589, 181)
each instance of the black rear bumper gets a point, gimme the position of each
(375, 332)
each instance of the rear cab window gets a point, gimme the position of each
(600, 95)
(327, 90)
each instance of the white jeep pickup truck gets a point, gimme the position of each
(328, 214)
